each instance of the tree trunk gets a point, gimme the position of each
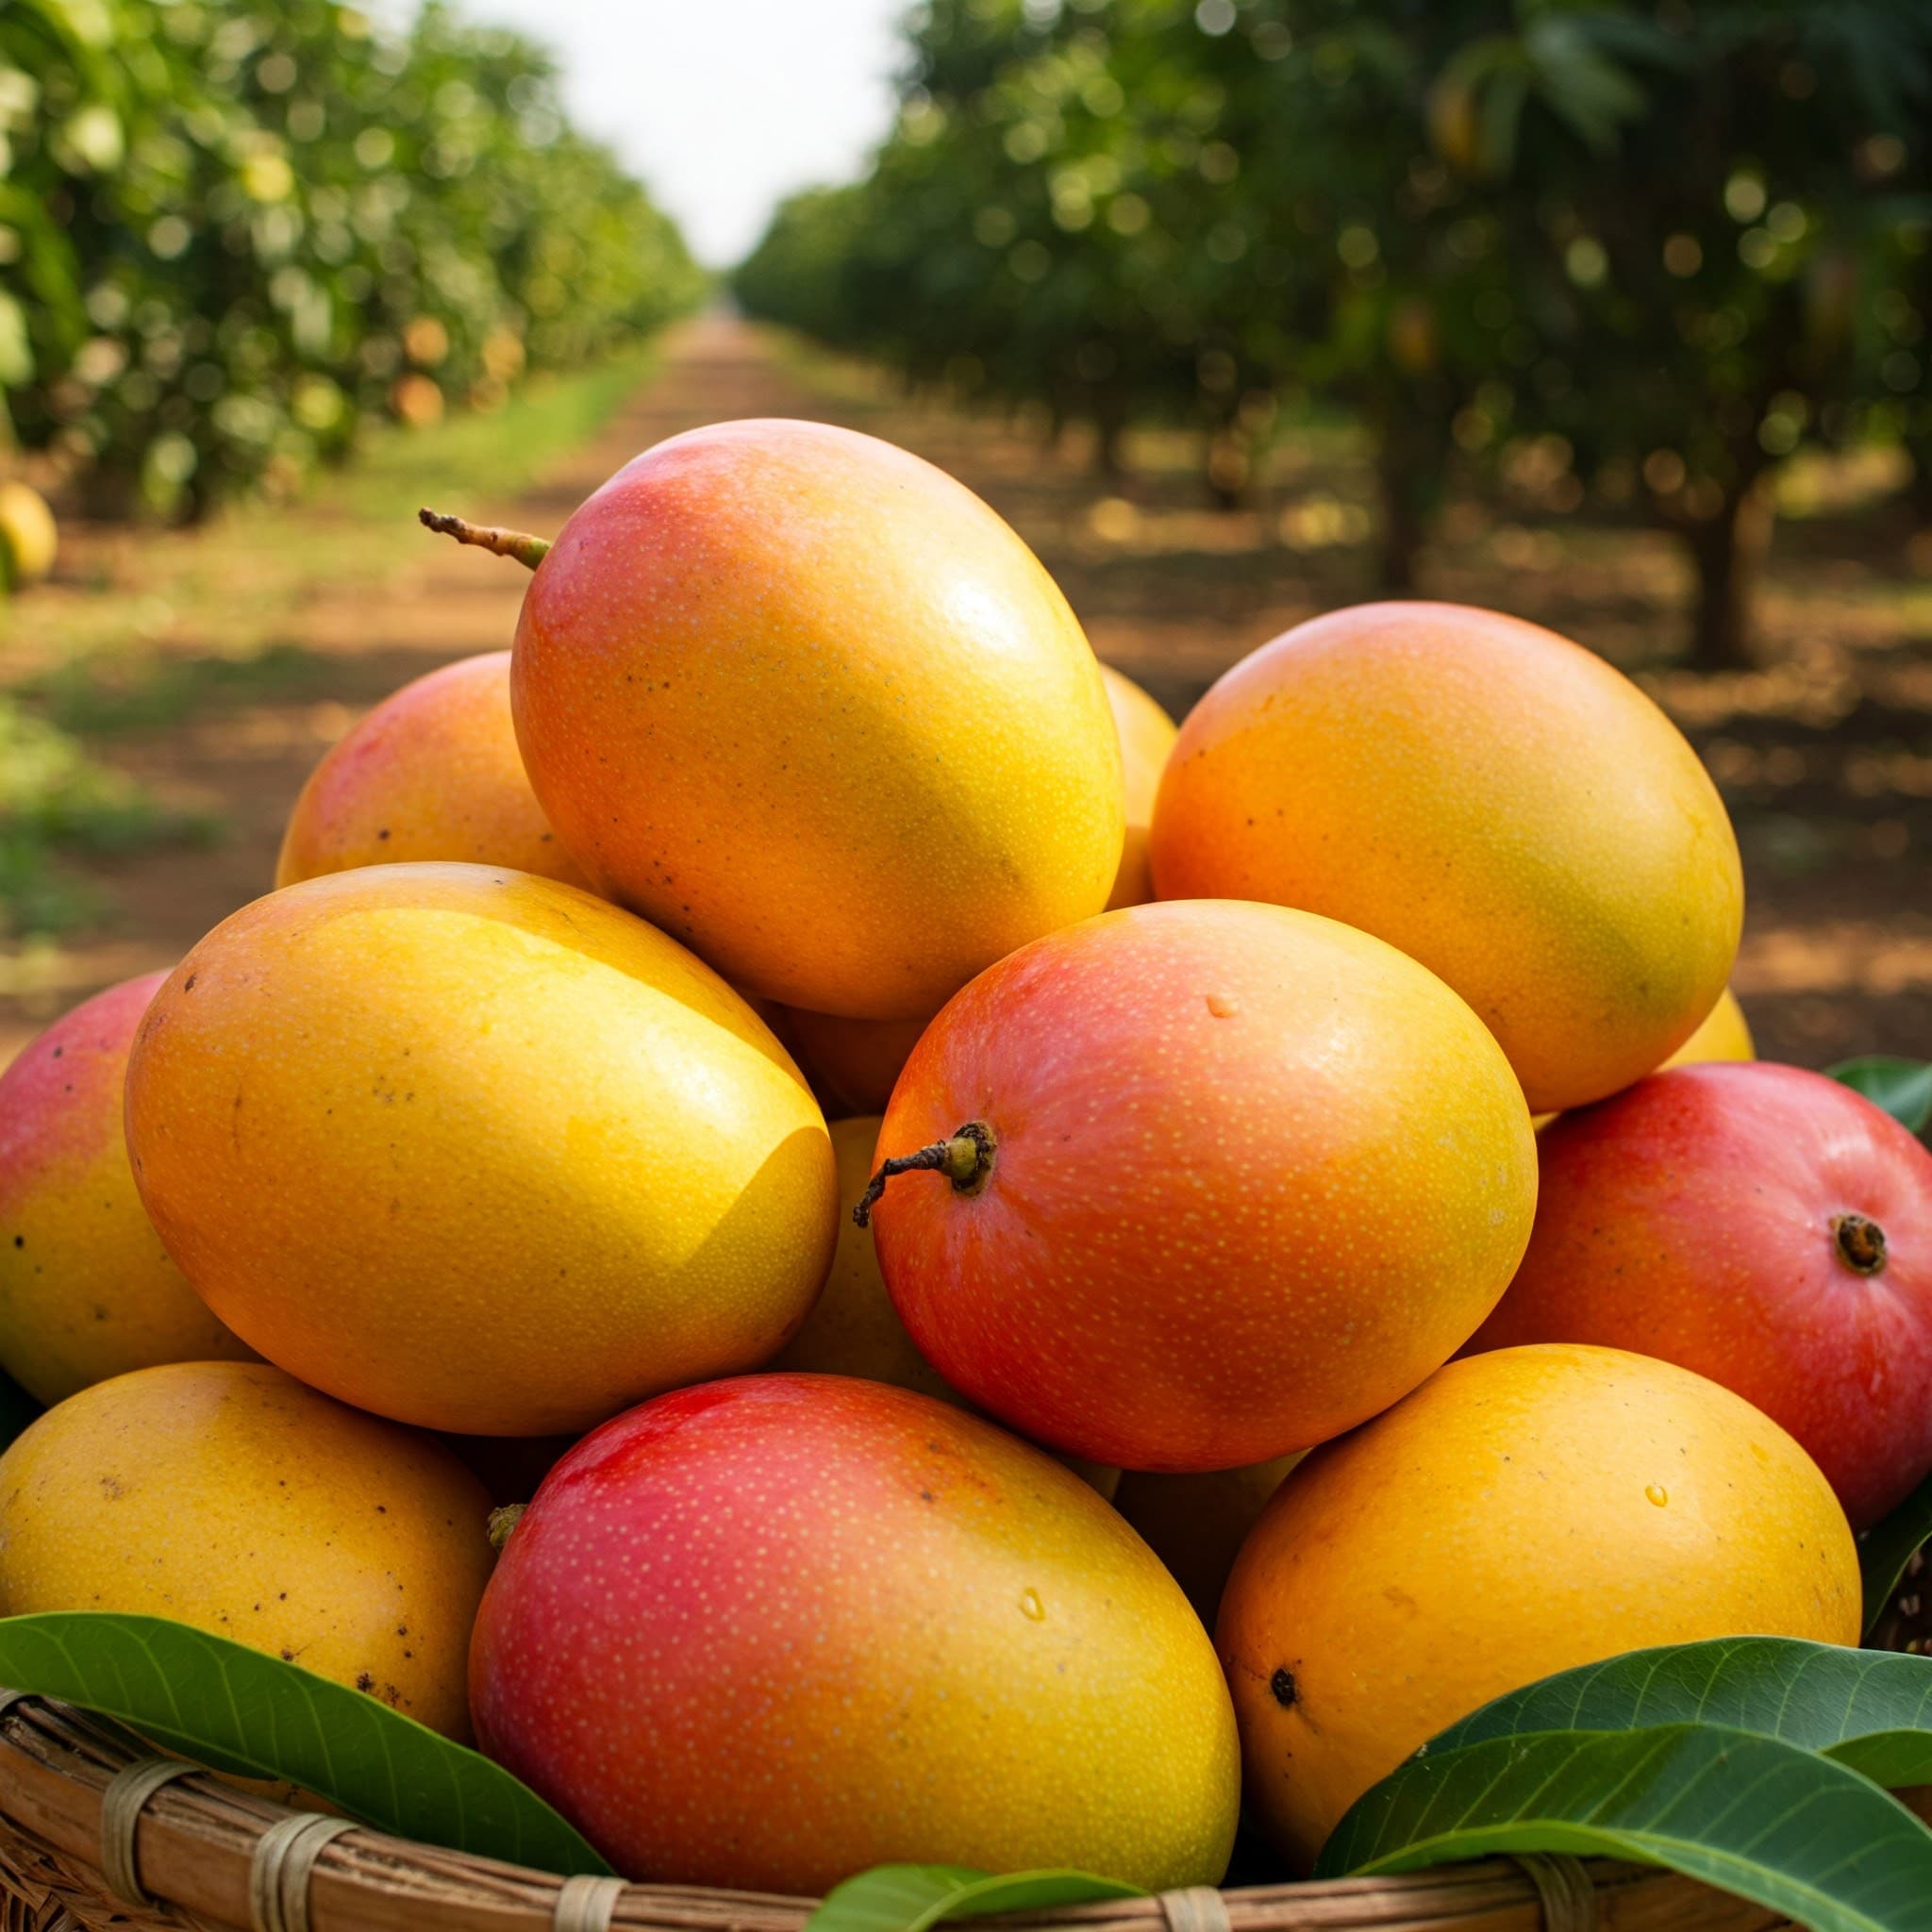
(1402, 519)
(1109, 447)
(1728, 551)
(1227, 468)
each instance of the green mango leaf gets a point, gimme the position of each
(1816, 1696)
(1902, 1088)
(1886, 1549)
(238, 1710)
(1784, 1827)
(908, 1898)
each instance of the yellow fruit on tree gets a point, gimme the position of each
(228, 1496)
(478, 1150)
(28, 536)
(1522, 1513)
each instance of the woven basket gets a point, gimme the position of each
(97, 1833)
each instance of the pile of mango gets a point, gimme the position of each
(1186, 1251)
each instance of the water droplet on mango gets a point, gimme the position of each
(1031, 1606)
(1657, 1493)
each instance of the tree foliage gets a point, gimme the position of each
(1650, 243)
(231, 230)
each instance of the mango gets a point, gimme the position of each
(1521, 1514)
(476, 1150)
(29, 539)
(228, 1496)
(1492, 800)
(808, 704)
(433, 772)
(851, 1063)
(1196, 1185)
(1147, 735)
(87, 1289)
(854, 1330)
(1722, 1034)
(769, 1632)
(1197, 1523)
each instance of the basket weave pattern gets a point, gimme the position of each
(195, 1854)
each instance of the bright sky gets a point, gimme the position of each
(722, 105)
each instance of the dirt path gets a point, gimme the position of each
(1825, 759)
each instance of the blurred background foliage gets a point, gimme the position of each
(234, 232)
(1625, 255)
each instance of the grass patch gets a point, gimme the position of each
(229, 590)
(55, 801)
(168, 624)
(103, 694)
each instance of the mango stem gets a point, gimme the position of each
(528, 550)
(502, 1521)
(1861, 1243)
(965, 1158)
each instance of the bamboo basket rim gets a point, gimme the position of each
(196, 1840)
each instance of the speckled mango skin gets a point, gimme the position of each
(1521, 1514)
(808, 704)
(476, 1150)
(1496, 801)
(228, 1496)
(769, 1632)
(433, 772)
(1219, 1224)
(853, 1328)
(1147, 735)
(1693, 1216)
(87, 1289)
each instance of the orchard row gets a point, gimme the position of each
(231, 233)
(1637, 252)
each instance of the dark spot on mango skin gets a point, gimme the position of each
(364, 1681)
(1281, 1688)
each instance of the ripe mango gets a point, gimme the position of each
(228, 1496)
(808, 704)
(1521, 1514)
(851, 1063)
(771, 1631)
(476, 1150)
(433, 772)
(1197, 1523)
(29, 539)
(1147, 735)
(854, 1330)
(87, 1290)
(1184, 1132)
(1722, 1034)
(1491, 799)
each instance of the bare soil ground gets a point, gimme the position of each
(1826, 755)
